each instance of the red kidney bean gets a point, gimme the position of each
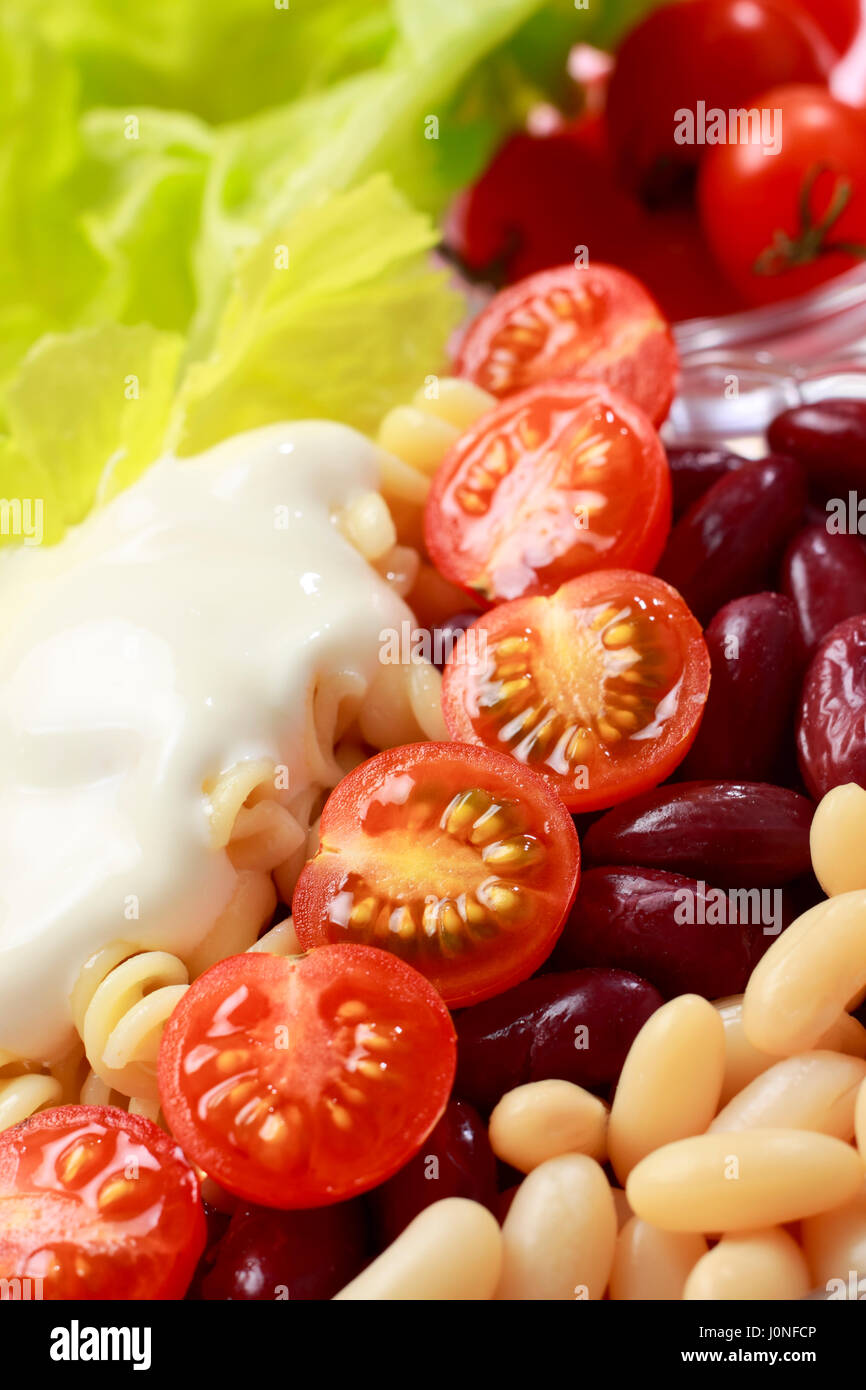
(829, 439)
(633, 919)
(444, 636)
(309, 1254)
(825, 575)
(503, 1206)
(216, 1225)
(727, 833)
(572, 1027)
(729, 543)
(694, 470)
(831, 732)
(754, 665)
(456, 1160)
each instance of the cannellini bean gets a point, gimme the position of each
(807, 978)
(837, 837)
(814, 1090)
(744, 1181)
(452, 1250)
(544, 1119)
(651, 1264)
(835, 1242)
(560, 1232)
(743, 1062)
(753, 1265)
(670, 1085)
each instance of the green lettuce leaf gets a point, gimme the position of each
(153, 160)
(89, 411)
(340, 316)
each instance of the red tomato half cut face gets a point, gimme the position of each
(566, 477)
(453, 857)
(600, 687)
(98, 1204)
(298, 1082)
(593, 322)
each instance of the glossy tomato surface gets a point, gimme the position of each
(599, 687)
(98, 1204)
(781, 224)
(302, 1081)
(449, 855)
(566, 477)
(544, 195)
(719, 53)
(593, 322)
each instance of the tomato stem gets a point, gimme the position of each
(785, 252)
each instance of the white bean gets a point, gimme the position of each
(452, 1250)
(559, 1234)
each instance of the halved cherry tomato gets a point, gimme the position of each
(599, 687)
(298, 1082)
(566, 477)
(449, 855)
(98, 1204)
(594, 322)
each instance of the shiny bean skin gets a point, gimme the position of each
(560, 1233)
(745, 1181)
(808, 977)
(573, 1027)
(835, 1242)
(670, 1085)
(812, 1090)
(723, 832)
(829, 439)
(743, 1062)
(456, 1160)
(729, 542)
(755, 672)
(452, 1250)
(629, 918)
(756, 1265)
(311, 1254)
(831, 743)
(825, 577)
(837, 837)
(694, 470)
(651, 1264)
(544, 1119)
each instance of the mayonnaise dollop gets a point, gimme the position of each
(175, 632)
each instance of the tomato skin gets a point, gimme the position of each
(563, 648)
(225, 1032)
(146, 1252)
(587, 439)
(613, 331)
(720, 52)
(839, 19)
(750, 203)
(542, 196)
(492, 964)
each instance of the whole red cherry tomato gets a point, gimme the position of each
(781, 223)
(717, 52)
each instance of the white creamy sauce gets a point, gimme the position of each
(175, 632)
